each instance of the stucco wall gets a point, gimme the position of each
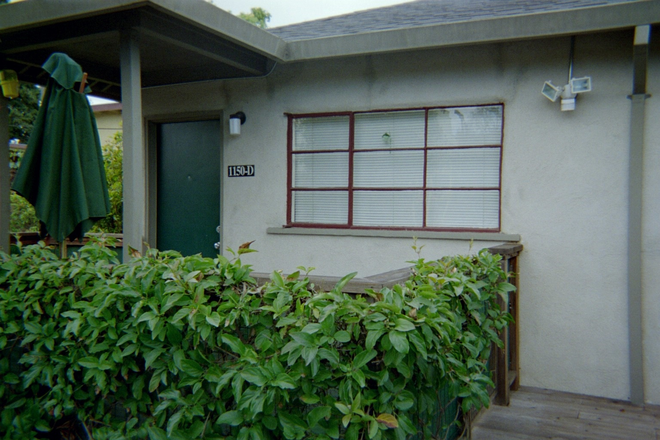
(564, 182)
(108, 123)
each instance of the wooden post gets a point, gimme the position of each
(502, 355)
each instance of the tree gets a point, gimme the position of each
(23, 112)
(257, 16)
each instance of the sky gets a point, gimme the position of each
(285, 12)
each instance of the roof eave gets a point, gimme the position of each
(493, 30)
(28, 14)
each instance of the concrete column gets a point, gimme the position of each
(4, 175)
(134, 159)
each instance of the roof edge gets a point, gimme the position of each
(221, 22)
(491, 30)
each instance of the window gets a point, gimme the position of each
(432, 168)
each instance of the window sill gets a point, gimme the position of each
(437, 235)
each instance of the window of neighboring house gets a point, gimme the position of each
(431, 168)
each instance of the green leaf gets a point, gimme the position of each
(331, 356)
(214, 319)
(373, 429)
(404, 401)
(232, 418)
(364, 358)
(192, 368)
(342, 283)
(235, 344)
(89, 362)
(253, 375)
(304, 339)
(42, 426)
(284, 381)
(342, 336)
(342, 408)
(174, 336)
(312, 328)
(150, 357)
(173, 422)
(372, 338)
(399, 341)
(403, 325)
(317, 414)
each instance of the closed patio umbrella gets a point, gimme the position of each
(62, 173)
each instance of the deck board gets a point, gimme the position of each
(542, 414)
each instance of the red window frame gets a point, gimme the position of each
(351, 188)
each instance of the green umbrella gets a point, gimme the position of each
(62, 173)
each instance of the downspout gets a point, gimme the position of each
(635, 195)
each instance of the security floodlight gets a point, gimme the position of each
(551, 91)
(581, 85)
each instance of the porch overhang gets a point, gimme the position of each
(180, 42)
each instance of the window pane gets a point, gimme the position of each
(326, 133)
(320, 207)
(465, 126)
(463, 209)
(463, 168)
(389, 130)
(388, 208)
(388, 169)
(320, 170)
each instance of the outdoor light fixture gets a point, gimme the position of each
(569, 92)
(581, 85)
(551, 91)
(235, 122)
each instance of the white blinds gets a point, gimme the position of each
(465, 126)
(320, 207)
(388, 169)
(320, 170)
(463, 209)
(388, 208)
(435, 168)
(463, 168)
(387, 130)
(326, 133)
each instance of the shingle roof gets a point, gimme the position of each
(426, 12)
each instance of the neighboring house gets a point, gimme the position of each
(108, 120)
(420, 120)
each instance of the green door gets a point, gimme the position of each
(188, 187)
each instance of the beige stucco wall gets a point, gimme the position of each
(564, 180)
(108, 124)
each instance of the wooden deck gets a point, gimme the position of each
(542, 414)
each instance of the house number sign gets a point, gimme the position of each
(240, 171)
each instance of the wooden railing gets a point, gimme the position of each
(505, 361)
(69, 246)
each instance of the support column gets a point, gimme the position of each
(4, 175)
(635, 204)
(134, 158)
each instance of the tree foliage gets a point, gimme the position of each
(171, 347)
(257, 16)
(23, 112)
(113, 160)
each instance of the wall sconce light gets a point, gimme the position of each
(235, 122)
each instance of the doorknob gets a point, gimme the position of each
(217, 245)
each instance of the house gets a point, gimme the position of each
(419, 120)
(108, 120)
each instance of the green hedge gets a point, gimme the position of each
(176, 347)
